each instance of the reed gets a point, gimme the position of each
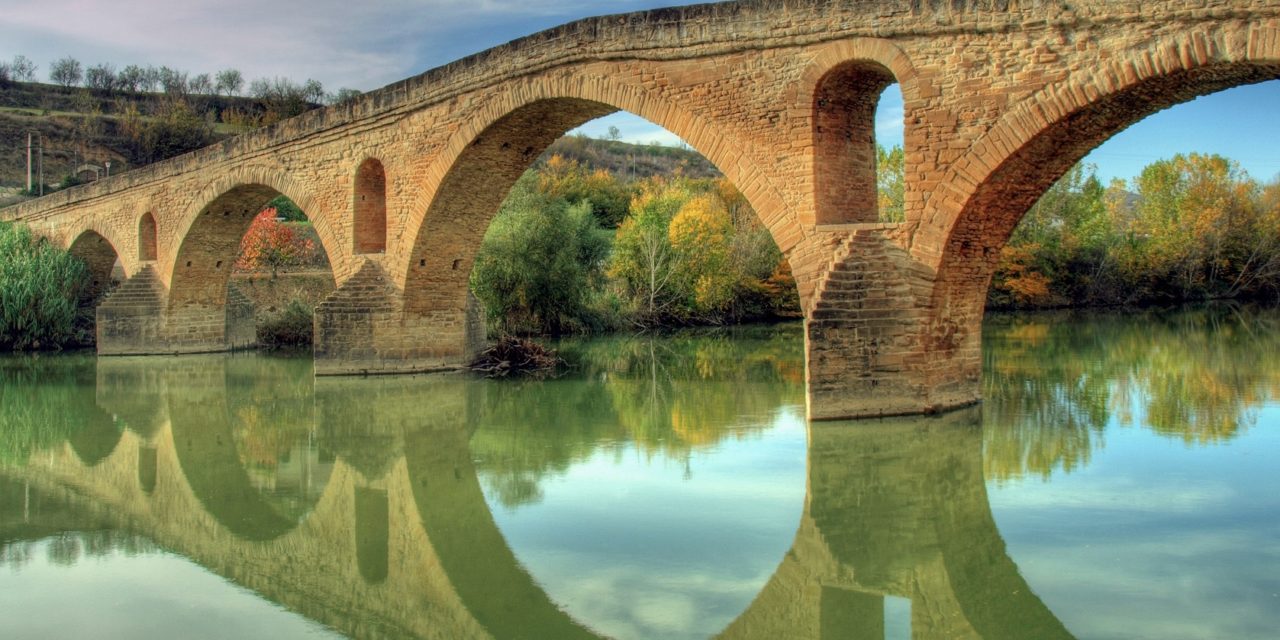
(40, 290)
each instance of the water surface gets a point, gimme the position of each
(1118, 482)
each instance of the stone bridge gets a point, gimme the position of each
(401, 542)
(1001, 98)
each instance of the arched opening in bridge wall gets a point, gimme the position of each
(1081, 120)
(848, 183)
(251, 263)
(147, 237)
(370, 208)
(103, 264)
(606, 198)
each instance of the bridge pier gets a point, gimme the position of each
(363, 328)
(870, 349)
(136, 320)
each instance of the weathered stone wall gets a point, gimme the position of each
(1000, 98)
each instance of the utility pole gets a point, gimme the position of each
(41, 163)
(28, 162)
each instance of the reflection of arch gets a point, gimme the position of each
(147, 237)
(99, 257)
(370, 208)
(481, 568)
(898, 508)
(201, 415)
(96, 438)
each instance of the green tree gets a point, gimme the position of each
(891, 183)
(643, 261)
(537, 262)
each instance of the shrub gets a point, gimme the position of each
(40, 289)
(292, 328)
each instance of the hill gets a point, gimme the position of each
(88, 128)
(81, 126)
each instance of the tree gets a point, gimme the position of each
(175, 131)
(229, 82)
(66, 72)
(149, 80)
(614, 133)
(344, 95)
(890, 183)
(701, 236)
(130, 78)
(539, 257)
(313, 91)
(40, 287)
(568, 179)
(101, 77)
(643, 259)
(200, 84)
(22, 69)
(273, 245)
(172, 81)
(281, 98)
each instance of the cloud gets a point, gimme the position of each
(340, 43)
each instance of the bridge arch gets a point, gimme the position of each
(843, 85)
(482, 161)
(100, 256)
(233, 194)
(148, 237)
(1005, 172)
(369, 208)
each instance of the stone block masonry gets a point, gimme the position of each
(1001, 97)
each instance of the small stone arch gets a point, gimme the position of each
(843, 86)
(369, 208)
(148, 237)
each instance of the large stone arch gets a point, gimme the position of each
(450, 214)
(1002, 175)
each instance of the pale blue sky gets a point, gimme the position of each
(365, 45)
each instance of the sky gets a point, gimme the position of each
(366, 45)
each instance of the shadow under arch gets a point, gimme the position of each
(201, 402)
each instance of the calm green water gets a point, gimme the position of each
(1120, 481)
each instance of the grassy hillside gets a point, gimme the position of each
(82, 126)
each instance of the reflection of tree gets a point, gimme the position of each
(45, 401)
(665, 396)
(1054, 383)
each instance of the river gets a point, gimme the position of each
(1119, 481)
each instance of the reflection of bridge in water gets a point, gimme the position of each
(400, 541)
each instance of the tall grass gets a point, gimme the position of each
(40, 288)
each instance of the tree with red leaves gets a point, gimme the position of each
(272, 244)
